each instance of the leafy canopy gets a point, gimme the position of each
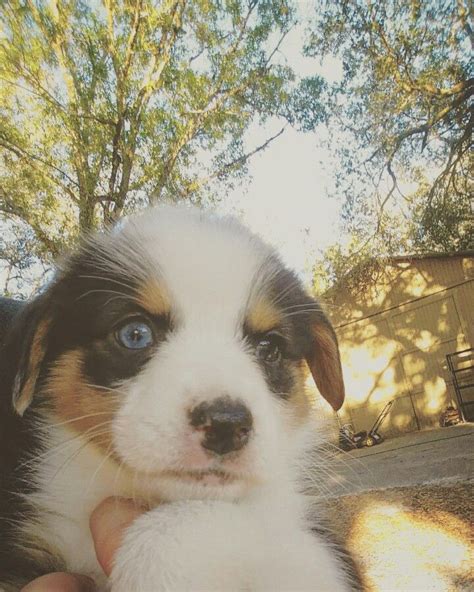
(110, 105)
(403, 110)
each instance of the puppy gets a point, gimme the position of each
(166, 363)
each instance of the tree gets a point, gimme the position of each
(111, 105)
(403, 110)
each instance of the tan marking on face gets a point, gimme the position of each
(299, 399)
(22, 398)
(325, 365)
(263, 316)
(154, 298)
(88, 410)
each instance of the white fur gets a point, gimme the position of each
(248, 535)
(217, 546)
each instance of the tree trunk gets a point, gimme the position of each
(87, 217)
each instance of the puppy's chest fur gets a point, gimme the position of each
(70, 478)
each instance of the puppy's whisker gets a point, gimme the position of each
(105, 291)
(345, 458)
(75, 453)
(331, 469)
(116, 478)
(48, 427)
(109, 280)
(134, 480)
(121, 297)
(303, 305)
(107, 455)
(112, 390)
(55, 450)
(294, 284)
(303, 309)
(284, 293)
(299, 312)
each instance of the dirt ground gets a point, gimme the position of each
(409, 538)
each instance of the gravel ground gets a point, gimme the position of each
(409, 538)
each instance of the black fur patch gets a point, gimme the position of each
(89, 304)
(284, 290)
(279, 375)
(19, 442)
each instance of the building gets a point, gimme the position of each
(395, 329)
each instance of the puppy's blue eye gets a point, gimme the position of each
(135, 335)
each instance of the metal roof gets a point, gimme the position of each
(467, 253)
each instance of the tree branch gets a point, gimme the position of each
(12, 208)
(24, 154)
(196, 185)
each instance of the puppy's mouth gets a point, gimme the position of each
(205, 477)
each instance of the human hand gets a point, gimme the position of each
(107, 523)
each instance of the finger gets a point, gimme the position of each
(60, 582)
(108, 523)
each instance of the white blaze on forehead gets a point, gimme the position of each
(209, 264)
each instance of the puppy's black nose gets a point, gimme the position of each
(226, 424)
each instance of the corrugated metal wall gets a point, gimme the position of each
(394, 336)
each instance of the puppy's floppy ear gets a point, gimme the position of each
(25, 349)
(324, 361)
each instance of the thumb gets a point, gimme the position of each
(107, 523)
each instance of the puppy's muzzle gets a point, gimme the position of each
(226, 425)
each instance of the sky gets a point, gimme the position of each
(285, 200)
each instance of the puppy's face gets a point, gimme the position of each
(178, 346)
